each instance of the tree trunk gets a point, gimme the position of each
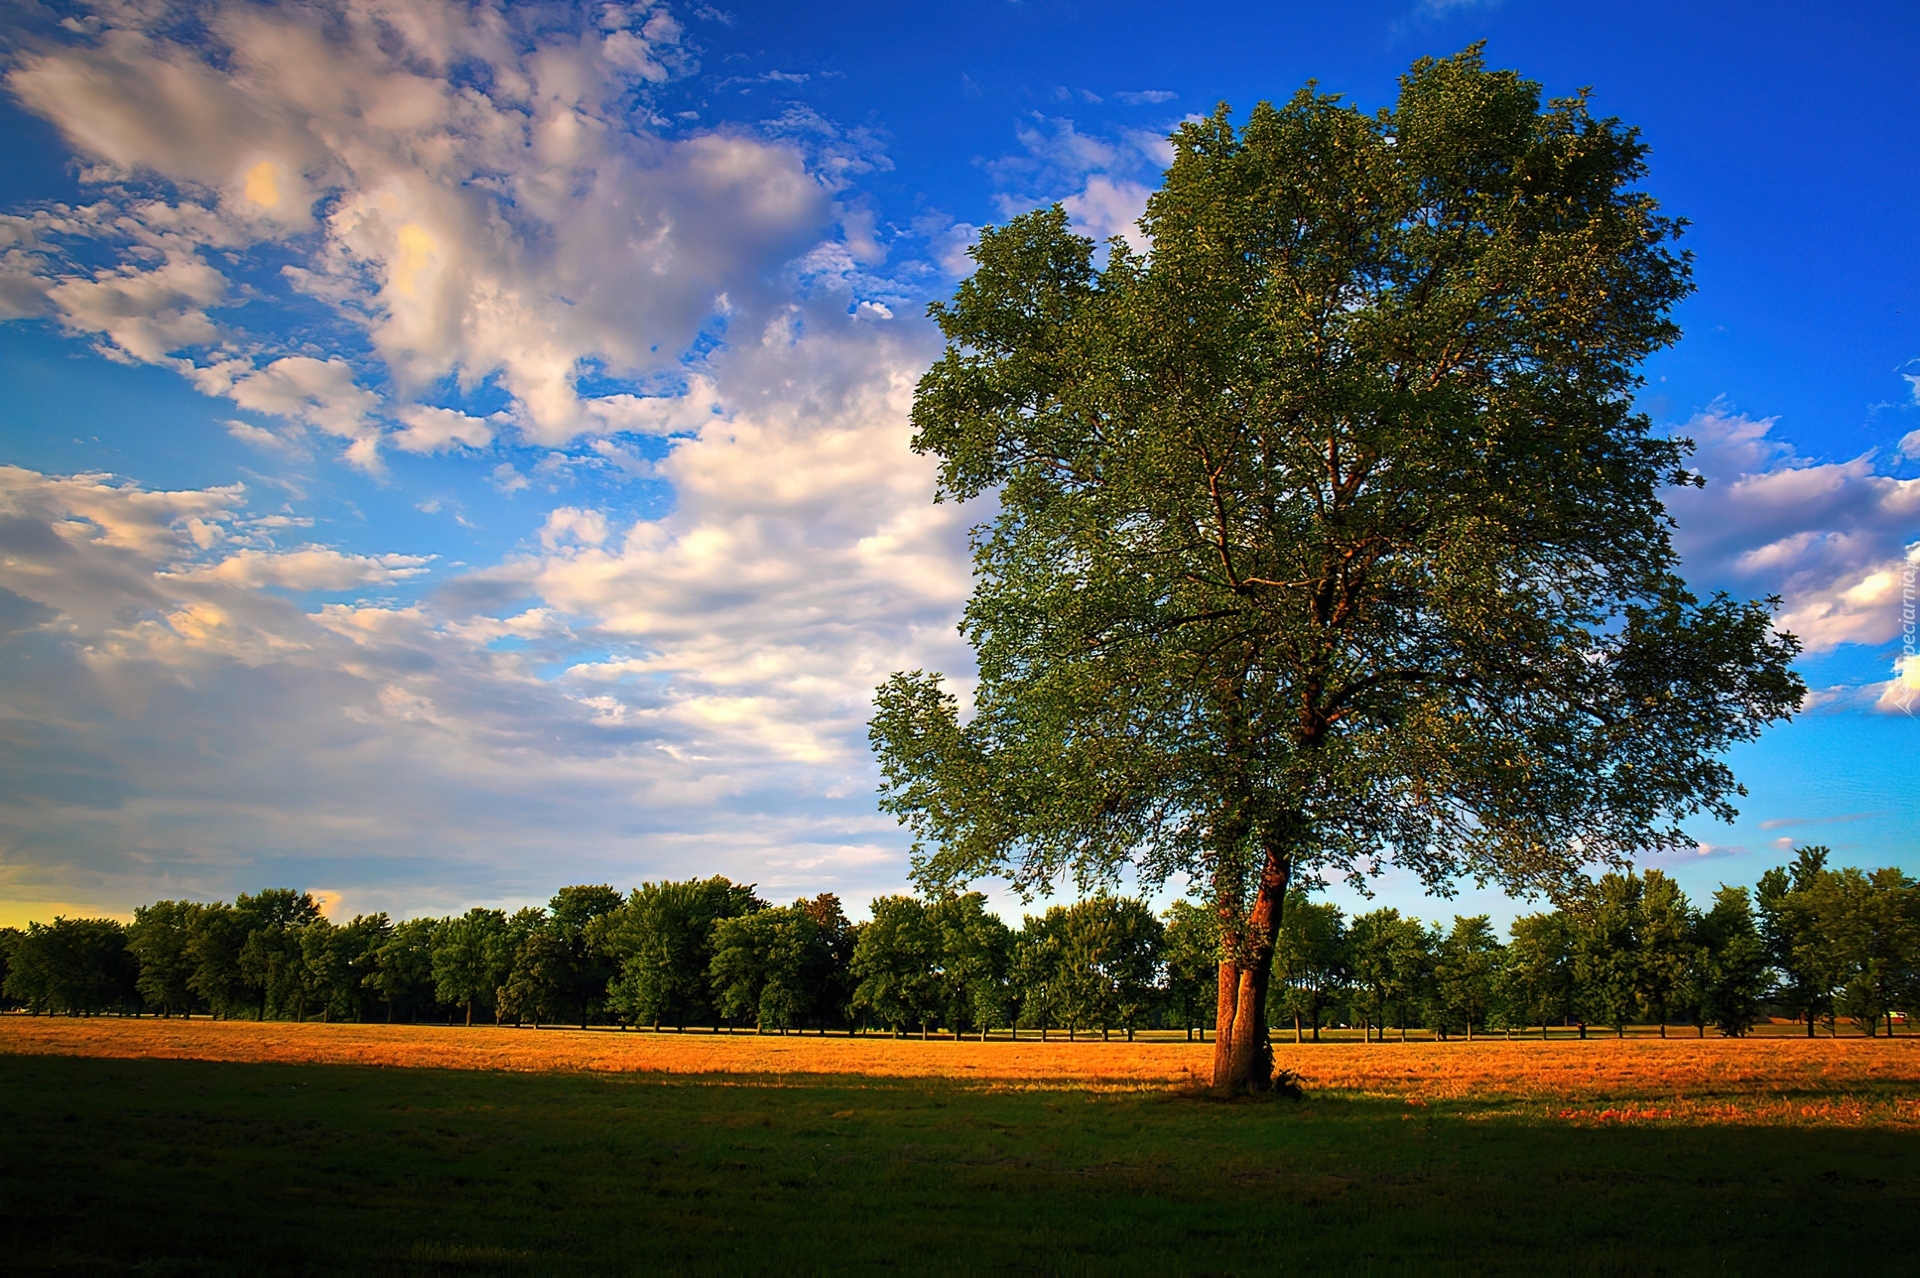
(1296, 1027)
(469, 1013)
(1242, 1054)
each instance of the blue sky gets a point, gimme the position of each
(453, 451)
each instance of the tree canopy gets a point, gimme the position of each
(1327, 535)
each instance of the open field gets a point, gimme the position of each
(1852, 1081)
(288, 1148)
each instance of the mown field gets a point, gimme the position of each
(169, 1147)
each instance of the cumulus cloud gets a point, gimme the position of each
(469, 188)
(192, 707)
(1835, 540)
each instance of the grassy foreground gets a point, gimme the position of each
(211, 1166)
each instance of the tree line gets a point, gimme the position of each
(1813, 943)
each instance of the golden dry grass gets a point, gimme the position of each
(1770, 1081)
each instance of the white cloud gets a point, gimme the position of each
(1901, 694)
(1146, 97)
(320, 393)
(466, 186)
(622, 700)
(308, 568)
(432, 430)
(1832, 539)
(1108, 208)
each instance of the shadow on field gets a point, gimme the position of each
(176, 1166)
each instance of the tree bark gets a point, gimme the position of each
(1242, 1054)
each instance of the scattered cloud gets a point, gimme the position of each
(1835, 540)
(468, 189)
(190, 704)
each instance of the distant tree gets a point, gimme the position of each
(1537, 985)
(161, 940)
(1607, 951)
(574, 918)
(774, 967)
(661, 939)
(1466, 972)
(895, 962)
(403, 969)
(215, 938)
(1391, 962)
(1311, 962)
(1667, 923)
(834, 983)
(1131, 961)
(1191, 953)
(352, 961)
(9, 937)
(1035, 977)
(1789, 925)
(974, 949)
(471, 960)
(1869, 926)
(73, 966)
(521, 925)
(1095, 963)
(539, 986)
(271, 959)
(1731, 981)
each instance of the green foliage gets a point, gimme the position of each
(1466, 973)
(215, 937)
(776, 967)
(1391, 967)
(403, 969)
(1191, 954)
(661, 939)
(471, 959)
(1537, 983)
(895, 962)
(1666, 945)
(1631, 949)
(271, 961)
(9, 937)
(1607, 951)
(975, 952)
(1327, 537)
(1311, 961)
(73, 966)
(1091, 964)
(161, 942)
(1731, 964)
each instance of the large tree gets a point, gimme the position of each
(1327, 534)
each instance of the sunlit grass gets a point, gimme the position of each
(1772, 1081)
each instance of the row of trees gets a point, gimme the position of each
(1812, 943)
(1815, 943)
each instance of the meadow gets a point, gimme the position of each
(170, 1146)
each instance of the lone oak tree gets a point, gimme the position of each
(1327, 535)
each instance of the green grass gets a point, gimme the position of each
(178, 1167)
